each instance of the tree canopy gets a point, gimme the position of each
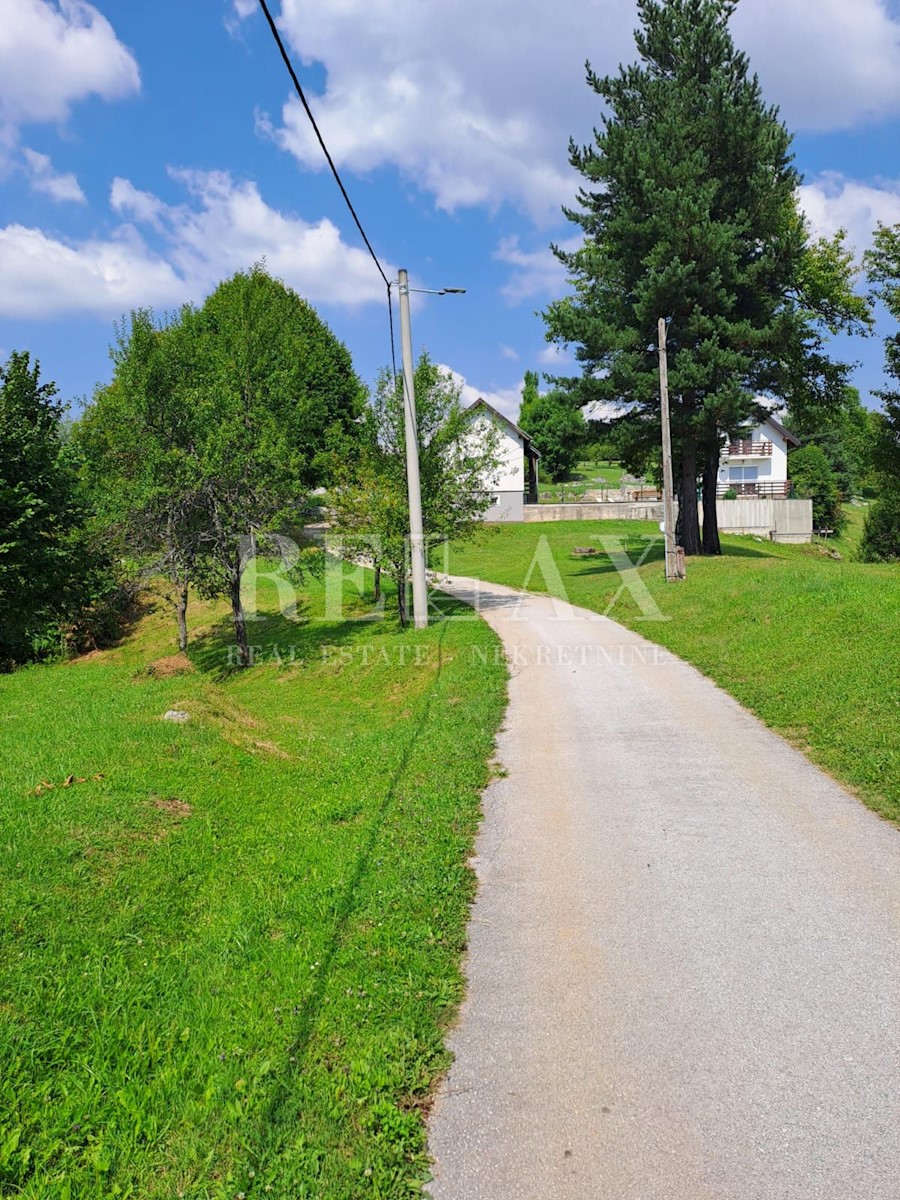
(846, 435)
(48, 567)
(882, 265)
(689, 211)
(216, 425)
(557, 430)
(369, 508)
(881, 535)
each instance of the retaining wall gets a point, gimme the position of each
(780, 520)
(637, 511)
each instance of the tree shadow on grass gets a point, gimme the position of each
(762, 551)
(638, 553)
(277, 639)
(274, 1124)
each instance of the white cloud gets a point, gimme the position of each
(829, 65)
(508, 352)
(52, 55)
(465, 98)
(505, 400)
(834, 202)
(476, 102)
(554, 355)
(226, 228)
(535, 272)
(42, 277)
(127, 200)
(43, 178)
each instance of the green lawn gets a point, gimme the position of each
(587, 476)
(809, 643)
(847, 544)
(230, 949)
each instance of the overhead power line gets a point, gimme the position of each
(312, 120)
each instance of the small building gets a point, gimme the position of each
(758, 464)
(515, 482)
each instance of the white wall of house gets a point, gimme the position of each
(758, 470)
(508, 484)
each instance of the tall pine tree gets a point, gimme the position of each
(883, 268)
(689, 211)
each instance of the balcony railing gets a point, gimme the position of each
(744, 449)
(763, 489)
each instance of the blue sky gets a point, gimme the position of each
(149, 150)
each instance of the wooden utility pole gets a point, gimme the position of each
(674, 560)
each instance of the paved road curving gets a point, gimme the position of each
(684, 957)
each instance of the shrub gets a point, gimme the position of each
(813, 479)
(881, 532)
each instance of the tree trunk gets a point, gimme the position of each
(688, 512)
(181, 610)
(711, 543)
(240, 624)
(401, 599)
(377, 582)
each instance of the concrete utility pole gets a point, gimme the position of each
(674, 560)
(410, 426)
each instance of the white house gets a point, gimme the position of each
(758, 464)
(515, 483)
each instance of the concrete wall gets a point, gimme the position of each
(781, 520)
(647, 511)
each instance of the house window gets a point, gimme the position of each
(744, 474)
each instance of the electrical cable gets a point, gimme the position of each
(312, 120)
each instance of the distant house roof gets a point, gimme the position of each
(785, 433)
(529, 447)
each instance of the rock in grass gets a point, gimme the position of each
(175, 714)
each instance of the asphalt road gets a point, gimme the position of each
(684, 957)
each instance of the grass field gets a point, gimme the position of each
(811, 644)
(587, 476)
(229, 949)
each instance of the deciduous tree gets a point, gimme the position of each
(370, 511)
(216, 426)
(558, 431)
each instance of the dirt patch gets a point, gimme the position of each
(271, 748)
(174, 807)
(173, 664)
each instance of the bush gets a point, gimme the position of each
(881, 532)
(813, 479)
(731, 494)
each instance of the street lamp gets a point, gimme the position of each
(410, 427)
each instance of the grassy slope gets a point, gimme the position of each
(586, 476)
(227, 965)
(810, 644)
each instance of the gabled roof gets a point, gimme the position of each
(495, 412)
(785, 433)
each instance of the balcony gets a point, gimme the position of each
(764, 489)
(743, 449)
